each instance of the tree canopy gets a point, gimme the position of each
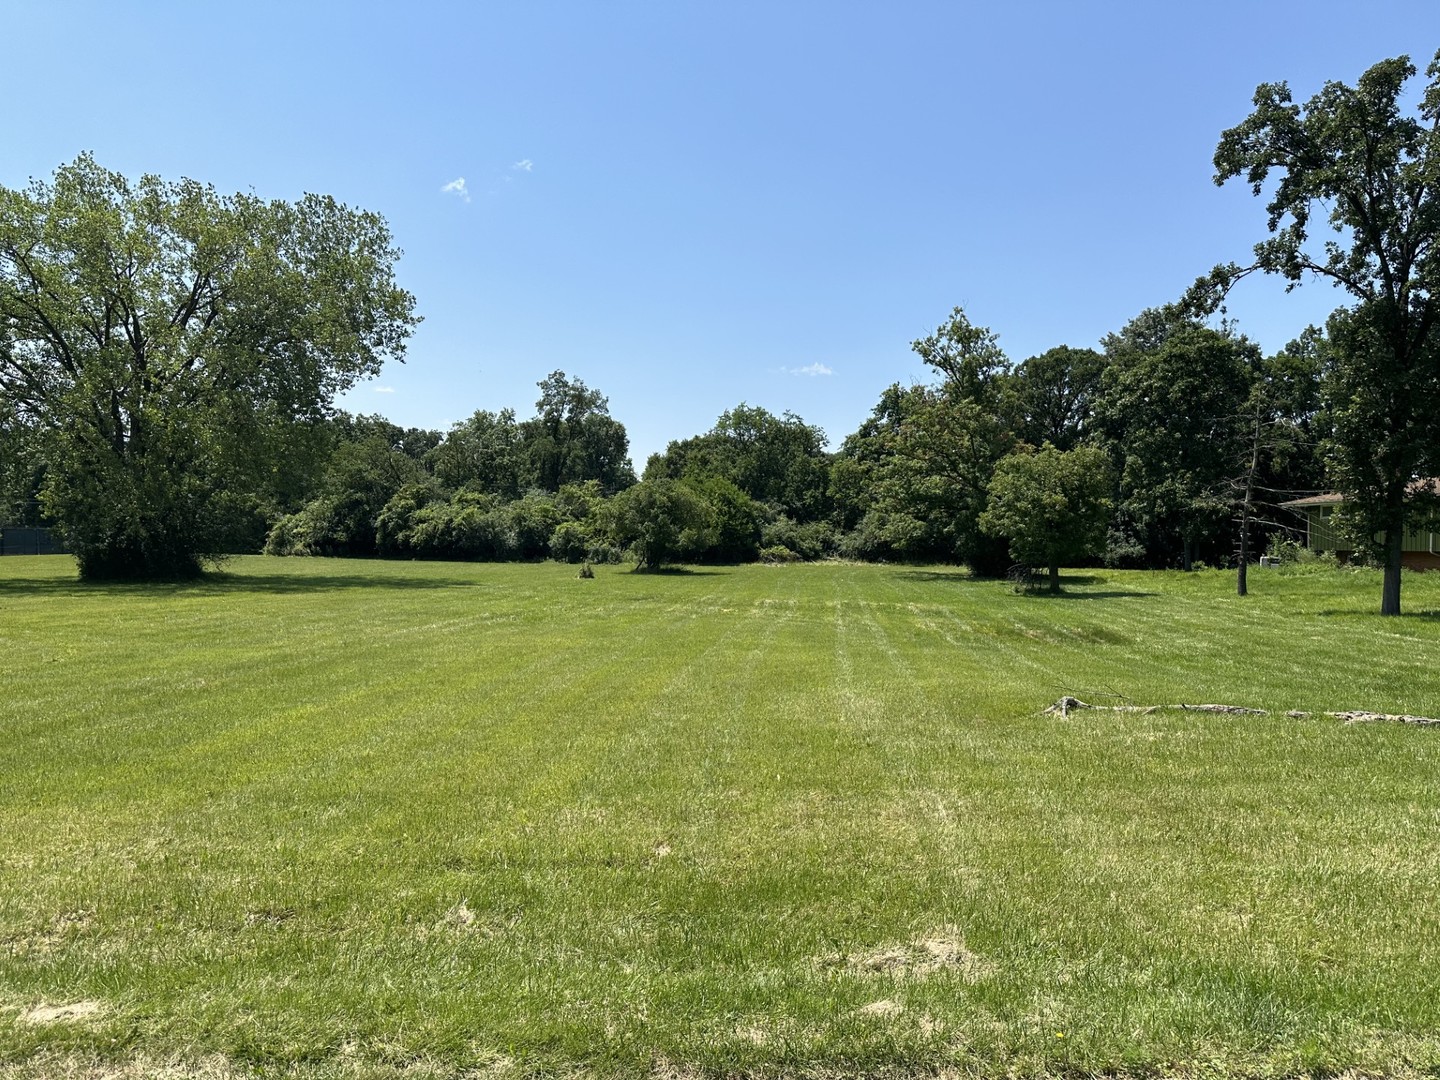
(1372, 169)
(1053, 505)
(161, 339)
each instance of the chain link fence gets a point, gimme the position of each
(29, 540)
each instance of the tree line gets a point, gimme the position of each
(169, 357)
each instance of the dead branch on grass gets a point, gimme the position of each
(1068, 704)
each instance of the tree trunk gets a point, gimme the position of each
(1247, 508)
(1241, 586)
(1390, 590)
(1054, 576)
(1186, 563)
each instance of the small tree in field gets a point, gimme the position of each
(1053, 505)
(658, 519)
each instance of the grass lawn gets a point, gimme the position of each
(328, 818)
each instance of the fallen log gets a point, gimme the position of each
(1068, 704)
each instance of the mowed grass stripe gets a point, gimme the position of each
(361, 815)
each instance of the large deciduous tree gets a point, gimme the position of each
(1051, 397)
(162, 338)
(776, 460)
(1052, 505)
(573, 438)
(1168, 408)
(1372, 169)
(918, 469)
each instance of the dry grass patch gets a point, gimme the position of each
(71, 1013)
(942, 951)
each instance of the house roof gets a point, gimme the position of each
(1330, 498)
(1424, 485)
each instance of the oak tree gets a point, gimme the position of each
(1368, 168)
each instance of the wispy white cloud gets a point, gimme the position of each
(383, 389)
(457, 187)
(812, 370)
(524, 165)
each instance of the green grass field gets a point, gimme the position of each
(325, 818)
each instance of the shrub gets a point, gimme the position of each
(659, 519)
(778, 554)
(1122, 550)
(533, 521)
(813, 540)
(570, 542)
(396, 522)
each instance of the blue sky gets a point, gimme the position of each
(689, 206)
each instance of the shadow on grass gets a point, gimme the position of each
(221, 583)
(1370, 612)
(1090, 594)
(961, 577)
(678, 571)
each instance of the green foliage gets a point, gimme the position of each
(573, 438)
(1051, 397)
(1171, 407)
(1355, 155)
(929, 489)
(915, 474)
(659, 518)
(733, 533)
(327, 524)
(396, 522)
(811, 540)
(533, 520)
(1052, 505)
(484, 453)
(472, 525)
(776, 460)
(1122, 550)
(571, 542)
(968, 357)
(163, 338)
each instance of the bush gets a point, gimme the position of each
(329, 525)
(814, 540)
(778, 554)
(658, 520)
(733, 532)
(1287, 551)
(1122, 550)
(570, 542)
(533, 521)
(869, 541)
(396, 522)
(601, 552)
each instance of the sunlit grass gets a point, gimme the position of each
(343, 817)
